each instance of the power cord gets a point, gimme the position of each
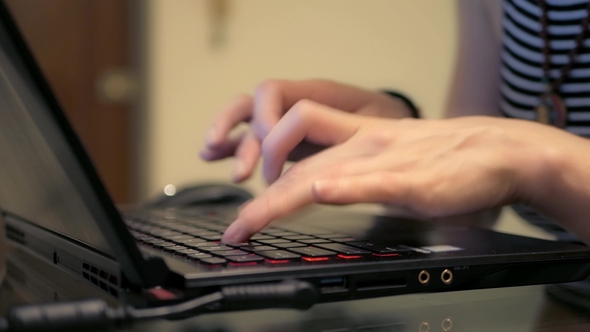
(96, 315)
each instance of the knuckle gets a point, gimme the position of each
(302, 109)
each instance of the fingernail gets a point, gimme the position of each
(235, 234)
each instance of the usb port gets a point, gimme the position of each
(333, 285)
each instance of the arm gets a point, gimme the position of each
(475, 87)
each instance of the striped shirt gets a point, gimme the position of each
(522, 60)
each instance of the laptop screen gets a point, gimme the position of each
(40, 178)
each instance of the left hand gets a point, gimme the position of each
(430, 168)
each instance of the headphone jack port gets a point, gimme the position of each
(424, 277)
(446, 276)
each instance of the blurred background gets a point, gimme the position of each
(141, 80)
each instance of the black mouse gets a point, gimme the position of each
(204, 193)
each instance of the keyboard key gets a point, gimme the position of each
(198, 232)
(314, 241)
(186, 252)
(272, 241)
(245, 258)
(162, 232)
(201, 245)
(289, 245)
(343, 239)
(208, 233)
(177, 238)
(272, 231)
(175, 248)
(216, 248)
(243, 244)
(198, 256)
(218, 228)
(344, 249)
(261, 237)
(213, 261)
(164, 244)
(216, 237)
(313, 252)
(332, 235)
(278, 255)
(380, 248)
(298, 237)
(229, 253)
(155, 241)
(258, 248)
(283, 234)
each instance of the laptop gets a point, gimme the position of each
(56, 208)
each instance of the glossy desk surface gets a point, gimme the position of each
(30, 280)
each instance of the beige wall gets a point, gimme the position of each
(377, 43)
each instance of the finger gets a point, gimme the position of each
(268, 106)
(247, 154)
(223, 150)
(308, 120)
(237, 111)
(275, 97)
(375, 187)
(277, 201)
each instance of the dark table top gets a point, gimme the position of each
(530, 308)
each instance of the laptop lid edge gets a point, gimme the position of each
(140, 270)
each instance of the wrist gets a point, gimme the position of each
(561, 191)
(410, 106)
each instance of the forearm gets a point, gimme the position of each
(475, 86)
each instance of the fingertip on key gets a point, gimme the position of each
(235, 233)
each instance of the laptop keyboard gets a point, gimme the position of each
(195, 235)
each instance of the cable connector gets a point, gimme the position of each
(96, 315)
(88, 315)
(293, 294)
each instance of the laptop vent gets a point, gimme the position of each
(15, 234)
(102, 279)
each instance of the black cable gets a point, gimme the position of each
(96, 315)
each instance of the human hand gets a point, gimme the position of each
(430, 168)
(271, 100)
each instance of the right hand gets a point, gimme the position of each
(271, 100)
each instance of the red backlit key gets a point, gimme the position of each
(313, 254)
